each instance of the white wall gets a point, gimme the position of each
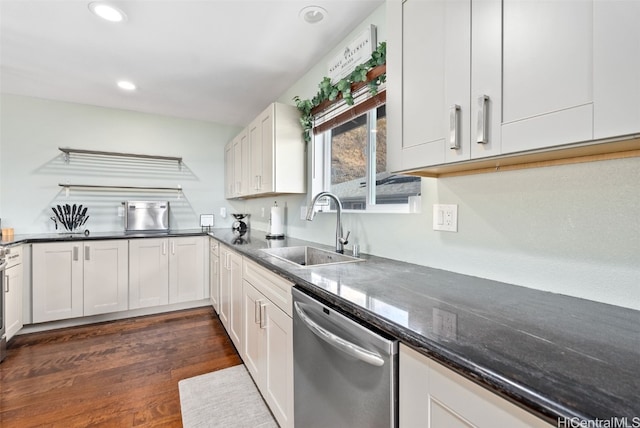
(31, 165)
(571, 229)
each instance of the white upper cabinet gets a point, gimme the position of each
(261, 152)
(616, 68)
(271, 155)
(428, 65)
(229, 181)
(546, 73)
(472, 79)
(236, 166)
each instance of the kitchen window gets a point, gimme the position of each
(350, 161)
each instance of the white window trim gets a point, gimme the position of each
(320, 182)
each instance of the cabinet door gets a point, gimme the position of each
(253, 337)
(229, 176)
(57, 281)
(255, 149)
(13, 303)
(148, 272)
(214, 275)
(268, 352)
(240, 156)
(235, 300)
(278, 351)
(106, 276)
(225, 287)
(429, 75)
(433, 395)
(186, 269)
(616, 68)
(546, 73)
(261, 143)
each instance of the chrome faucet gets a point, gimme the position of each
(340, 241)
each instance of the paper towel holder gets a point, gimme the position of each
(276, 227)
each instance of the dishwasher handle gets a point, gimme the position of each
(338, 342)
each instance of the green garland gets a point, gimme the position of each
(329, 92)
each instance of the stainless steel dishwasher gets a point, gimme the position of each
(345, 375)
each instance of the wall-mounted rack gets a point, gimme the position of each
(95, 186)
(67, 152)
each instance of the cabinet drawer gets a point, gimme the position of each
(274, 287)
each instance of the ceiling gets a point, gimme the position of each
(222, 61)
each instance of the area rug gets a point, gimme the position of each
(225, 398)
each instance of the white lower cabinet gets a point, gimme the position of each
(187, 269)
(166, 270)
(432, 395)
(13, 289)
(214, 274)
(231, 295)
(73, 279)
(106, 277)
(268, 339)
(148, 273)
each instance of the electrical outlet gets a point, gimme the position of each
(223, 212)
(445, 217)
(262, 212)
(303, 213)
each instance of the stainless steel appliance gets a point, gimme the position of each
(240, 226)
(146, 216)
(3, 339)
(345, 375)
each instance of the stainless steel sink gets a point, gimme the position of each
(306, 256)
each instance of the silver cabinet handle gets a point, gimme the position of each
(173, 248)
(6, 282)
(344, 345)
(454, 127)
(263, 317)
(164, 248)
(483, 116)
(256, 311)
(256, 186)
(75, 254)
(87, 253)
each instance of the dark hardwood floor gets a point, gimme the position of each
(115, 374)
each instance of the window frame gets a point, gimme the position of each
(321, 172)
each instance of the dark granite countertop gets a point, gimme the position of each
(60, 237)
(554, 355)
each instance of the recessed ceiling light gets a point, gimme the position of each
(107, 11)
(312, 14)
(126, 85)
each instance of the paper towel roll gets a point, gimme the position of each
(277, 221)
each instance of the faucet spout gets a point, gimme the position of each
(340, 240)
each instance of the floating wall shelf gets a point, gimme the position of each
(67, 152)
(94, 186)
